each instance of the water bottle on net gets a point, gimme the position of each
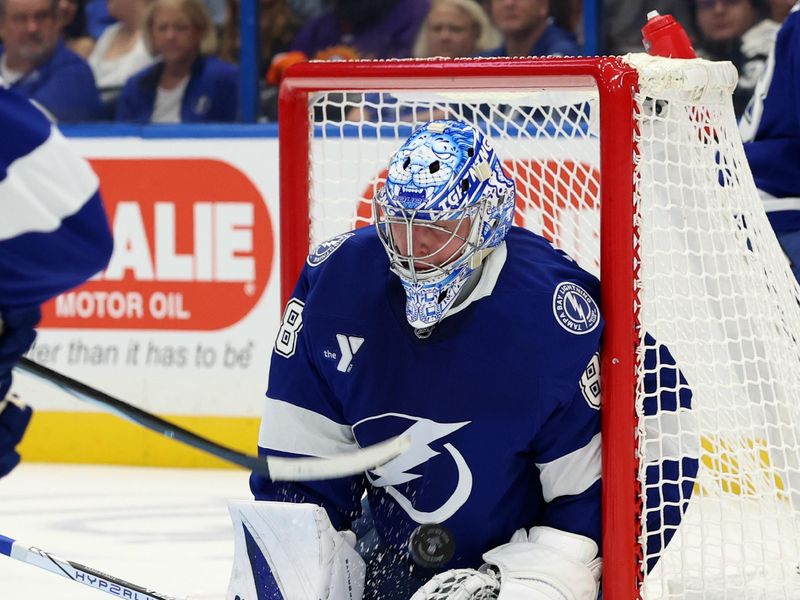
(662, 35)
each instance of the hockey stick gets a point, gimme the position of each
(77, 572)
(274, 467)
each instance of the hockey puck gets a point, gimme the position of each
(431, 545)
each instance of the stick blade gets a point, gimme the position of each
(340, 465)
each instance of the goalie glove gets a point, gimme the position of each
(14, 419)
(543, 564)
(460, 584)
(16, 336)
(286, 551)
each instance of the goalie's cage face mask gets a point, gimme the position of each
(445, 205)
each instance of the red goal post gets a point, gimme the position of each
(655, 128)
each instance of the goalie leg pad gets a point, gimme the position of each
(286, 551)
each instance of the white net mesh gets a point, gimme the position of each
(716, 291)
(718, 366)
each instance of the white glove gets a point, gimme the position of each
(547, 564)
(543, 564)
(460, 584)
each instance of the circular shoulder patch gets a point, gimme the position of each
(322, 252)
(574, 309)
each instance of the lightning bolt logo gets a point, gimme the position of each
(577, 307)
(423, 432)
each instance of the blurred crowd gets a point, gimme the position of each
(175, 61)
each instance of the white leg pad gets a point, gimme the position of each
(306, 556)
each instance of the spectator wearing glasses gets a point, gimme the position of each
(738, 31)
(35, 61)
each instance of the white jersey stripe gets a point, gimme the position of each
(289, 428)
(44, 187)
(572, 473)
(773, 204)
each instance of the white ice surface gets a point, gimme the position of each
(163, 529)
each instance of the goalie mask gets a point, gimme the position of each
(446, 204)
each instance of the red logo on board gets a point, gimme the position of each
(193, 249)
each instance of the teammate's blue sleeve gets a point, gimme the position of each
(770, 128)
(303, 418)
(53, 235)
(568, 456)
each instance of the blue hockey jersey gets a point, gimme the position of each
(53, 228)
(770, 129)
(501, 401)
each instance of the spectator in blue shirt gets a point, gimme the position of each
(363, 29)
(528, 30)
(34, 61)
(187, 85)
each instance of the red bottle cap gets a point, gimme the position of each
(664, 36)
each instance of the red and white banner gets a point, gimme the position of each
(183, 319)
(193, 246)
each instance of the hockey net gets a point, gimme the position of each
(634, 167)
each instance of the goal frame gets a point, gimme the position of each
(617, 83)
